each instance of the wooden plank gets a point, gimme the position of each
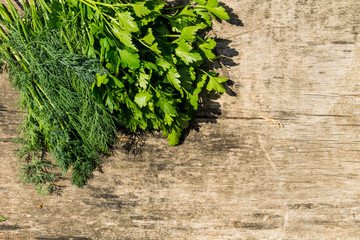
(10, 114)
(239, 176)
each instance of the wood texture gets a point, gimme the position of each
(239, 176)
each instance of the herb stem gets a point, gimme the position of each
(171, 35)
(177, 7)
(95, 8)
(108, 5)
(36, 99)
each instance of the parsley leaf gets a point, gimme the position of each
(219, 11)
(183, 51)
(142, 98)
(173, 77)
(126, 22)
(129, 59)
(140, 9)
(215, 84)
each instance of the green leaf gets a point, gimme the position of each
(149, 40)
(117, 81)
(187, 77)
(201, 80)
(183, 120)
(219, 11)
(207, 47)
(208, 53)
(209, 43)
(173, 77)
(105, 46)
(123, 36)
(166, 106)
(150, 65)
(90, 13)
(155, 48)
(91, 52)
(2, 219)
(186, 17)
(143, 80)
(149, 37)
(129, 59)
(188, 33)
(109, 102)
(194, 99)
(73, 2)
(128, 78)
(163, 63)
(104, 42)
(212, 3)
(215, 84)
(168, 119)
(142, 98)
(137, 114)
(97, 93)
(183, 51)
(201, 2)
(126, 22)
(155, 6)
(113, 60)
(94, 29)
(174, 136)
(161, 28)
(204, 16)
(101, 79)
(140, 9)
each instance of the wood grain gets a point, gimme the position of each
(239, 176)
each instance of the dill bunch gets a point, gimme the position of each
(62, 115)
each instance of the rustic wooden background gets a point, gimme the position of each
(240, 176)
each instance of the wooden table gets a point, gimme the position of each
(276, 157)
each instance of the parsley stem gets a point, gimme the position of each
(171, 35)
(171, 8)
(149, 47)
(199, 38)
(109, 5)
(204, 72)
(96, 9)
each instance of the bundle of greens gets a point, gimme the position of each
(85, 68)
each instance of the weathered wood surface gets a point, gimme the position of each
(239, 176)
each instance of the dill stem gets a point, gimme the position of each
(36, 99)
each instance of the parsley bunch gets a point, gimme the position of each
(86, 68)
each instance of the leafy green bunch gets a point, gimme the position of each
(153, 56)
(87, 68)
(62, 114)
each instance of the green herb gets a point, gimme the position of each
(87, 68)
(62, 113)
(2, 219)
